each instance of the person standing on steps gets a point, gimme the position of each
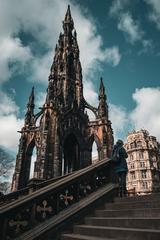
(119, 156)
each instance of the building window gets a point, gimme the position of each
(144, 185)
(141, 155)
(133, 145)
(131, 157)
(132, 165)
(144, 174)
(133, 176)
(139, 144)
(142, 164)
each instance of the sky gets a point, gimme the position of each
(119, 40)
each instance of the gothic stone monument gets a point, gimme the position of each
(64, 135)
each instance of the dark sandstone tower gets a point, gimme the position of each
(64, 136)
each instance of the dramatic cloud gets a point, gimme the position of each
(112, 56)
(9, 122)
(9, 136)
(7, 105)
(155, 11)
(117, 7)
(91, 94)
(147, 111)
(130, 28)
(120, 122)
(146, 114)
(12, 53)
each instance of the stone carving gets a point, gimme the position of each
(18, 223)
(66, 198)
(44, 209)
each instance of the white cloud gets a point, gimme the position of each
(147, 111)
(40, 99)
(117, 6)
(12, 51)
(7, 105)
(119, 118)
(9, 137)
(90, 94)
(9, 122)
(148, 47)
(130, 28)
(155, 11)
(112, 56)
(146, 114)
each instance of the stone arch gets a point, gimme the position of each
(95, 138)
(94, 153)
(92, 109)
(26, 163)
(91, 115)
(71, 154)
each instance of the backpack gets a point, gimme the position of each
(115, 156)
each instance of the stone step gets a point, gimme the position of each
(141, 212)
(118, 233)
(150, 223)
(149, 197)
(81, 237)
(131, 205)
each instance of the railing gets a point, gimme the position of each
(32, 187)
(24, 214)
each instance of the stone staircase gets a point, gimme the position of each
(46, 209)
(131, 218)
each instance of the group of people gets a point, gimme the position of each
(119, 156)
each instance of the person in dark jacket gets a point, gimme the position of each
(121, 167)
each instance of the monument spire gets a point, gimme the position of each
(65, 88)
(63, 133)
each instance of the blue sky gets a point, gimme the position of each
(118, 39)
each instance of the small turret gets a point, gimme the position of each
(29, 116)
(102, 108)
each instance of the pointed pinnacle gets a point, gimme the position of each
(68, 16)
(101, 84)
(31, 98)
(75, 34)
(32, 93)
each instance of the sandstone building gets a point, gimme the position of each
(143, 160)
(64, 136)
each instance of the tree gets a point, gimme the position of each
(6, 170)
(5, 187)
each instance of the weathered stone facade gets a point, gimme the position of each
(143, 162)
(64, 136)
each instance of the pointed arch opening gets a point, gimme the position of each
(71, 154)
(95, 156)
(91, 115)
(32, 164)
(95, 146)
(29, 161)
